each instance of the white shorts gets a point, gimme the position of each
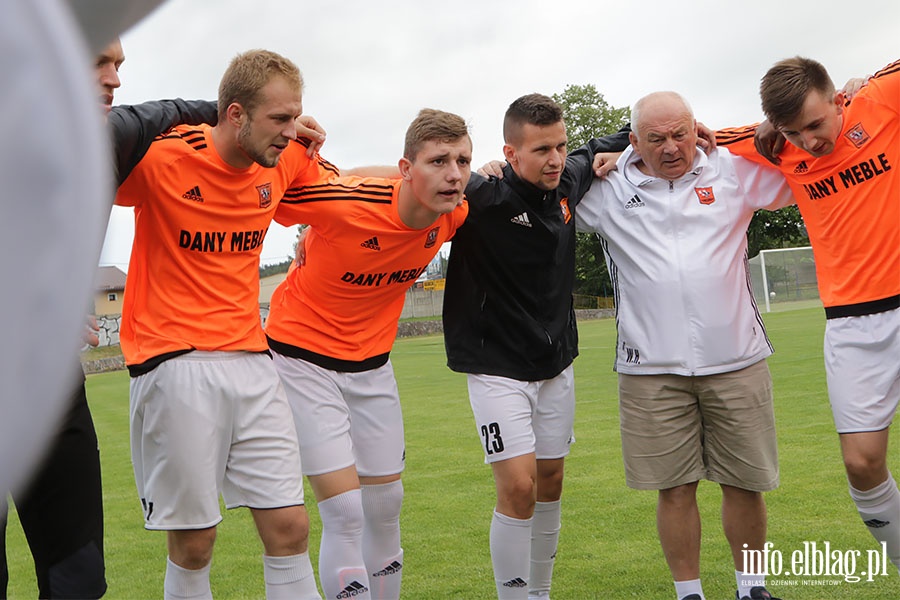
(862, 366)
(209, 422)
(345, 419)
(519, 417)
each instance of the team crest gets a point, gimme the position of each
(431, 239)
(564, 206)
(857, 135)
(705, 194)
(265, 195)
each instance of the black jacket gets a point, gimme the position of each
(508, 299)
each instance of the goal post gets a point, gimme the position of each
(784, 275)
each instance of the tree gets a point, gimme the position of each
(589, 115)
(779, 229)
(275, 268)
(282, 267)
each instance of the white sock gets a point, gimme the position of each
(880, 510)
(510, 555)
(544, 541)
(381, 538)
(290, 578)
(341, 565)
(686, 588)
(747, 581)
(186, 583)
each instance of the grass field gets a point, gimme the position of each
(608, 548)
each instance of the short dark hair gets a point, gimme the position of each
(431, 124)
(534, 109)
(785, 87)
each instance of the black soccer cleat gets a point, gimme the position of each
(757, 593)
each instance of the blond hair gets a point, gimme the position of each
(248, 73)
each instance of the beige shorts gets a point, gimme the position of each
(206, 423)
(678, 430)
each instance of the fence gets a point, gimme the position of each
(592, 302)
(422, 303)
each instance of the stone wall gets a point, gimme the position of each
(417, 328)
(102, 365)
(587, 314)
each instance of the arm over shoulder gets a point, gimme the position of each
(616, 142)
(133, 128)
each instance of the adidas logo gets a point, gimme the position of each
(634, 202)
(371, 243)
(518, 582)
(876, 523)
(354, 589)
(521, 220)
(802, 167)
(193, 194)
(392, 568)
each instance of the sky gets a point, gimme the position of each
(369, 67)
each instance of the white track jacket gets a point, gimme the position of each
(677, 257)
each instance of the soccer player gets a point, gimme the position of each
(331, 326)
(842, 161)
(208, 413)
(695, 394)
(509, 324)
(61, 509)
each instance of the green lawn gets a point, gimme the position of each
(608, 547)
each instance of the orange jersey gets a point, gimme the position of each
(193, 279)
(345, 302)
(850, 198)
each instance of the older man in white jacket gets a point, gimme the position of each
(695, 394)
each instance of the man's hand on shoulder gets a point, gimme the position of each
(853, 85)
(706, 138)
(604, 162)
(309, 128)
(492, 169)
(769, 142)
(300, 256)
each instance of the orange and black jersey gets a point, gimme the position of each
(850, 199)
(193, 279)
(340, 310)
